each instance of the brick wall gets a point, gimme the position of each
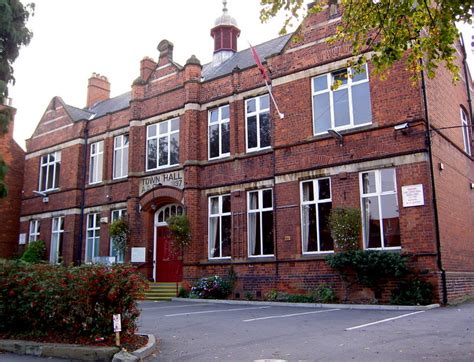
(13, 156)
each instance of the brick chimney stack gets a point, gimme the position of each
(98, 89)
(147, 66)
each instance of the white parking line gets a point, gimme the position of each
(289, 315)
(384, 320)
(214, 311)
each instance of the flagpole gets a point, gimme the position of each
(266, 78)
(269, 88)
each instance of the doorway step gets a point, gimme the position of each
(162, 290)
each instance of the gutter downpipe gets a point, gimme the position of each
(466, 76)
(78, 257)
(435, 202)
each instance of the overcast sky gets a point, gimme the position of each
(74, 38)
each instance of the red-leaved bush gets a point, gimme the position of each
(71, 301)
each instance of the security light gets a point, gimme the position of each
(336, 135)
(401, 126)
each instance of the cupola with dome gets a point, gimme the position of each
(225, 33)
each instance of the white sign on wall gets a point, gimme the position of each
(412, 195)
(138, 255)
(22, 239)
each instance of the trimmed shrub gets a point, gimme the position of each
(413, 292)
(345, 225)
(323, 294)
(213, 287)
(368, 267)
(35, 252)
(74, 302)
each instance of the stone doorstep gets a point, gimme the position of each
(73, 351)
(310, 305)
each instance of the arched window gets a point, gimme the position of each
(166, 211)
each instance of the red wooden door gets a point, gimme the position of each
(169, 267)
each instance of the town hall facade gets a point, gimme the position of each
(257, 188)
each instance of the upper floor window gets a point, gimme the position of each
(345, 107)
(257, 123)
(96, 164)
(220, 226)
(120, 156)
(34, 230)
(119, 254)
(93, 237)
(316, 204)
(465, 132)
(219, 134)
(260, 222)
(162, 144)
(57, 233)
(380, 214)
(49, 171)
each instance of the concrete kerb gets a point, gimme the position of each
(311, 305)
(58, 350)
(147, 350)
(73, 351)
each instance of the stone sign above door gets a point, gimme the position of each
(173, 179)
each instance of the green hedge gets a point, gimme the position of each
(68, 301)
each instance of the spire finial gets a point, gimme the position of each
(224, 10)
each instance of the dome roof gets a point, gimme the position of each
(225, 18)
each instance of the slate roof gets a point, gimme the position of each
(100, 109)
(244, 59)
(77, 114)
(111, 105)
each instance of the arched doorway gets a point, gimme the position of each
(168, 265)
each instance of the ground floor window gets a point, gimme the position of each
(220, 227)
(316, 204)
(260, 222)
(34, 231)
(380, 214)
(118, 254)
(93, 237)
(57, 233)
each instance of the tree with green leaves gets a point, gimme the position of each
(13, 35)
(389, 29)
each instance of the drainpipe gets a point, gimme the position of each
(78, 257)
(435, 202)
(275, 226)
(466, 76)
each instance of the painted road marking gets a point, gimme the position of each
(289, 315)
(214, 311)
(384, 320)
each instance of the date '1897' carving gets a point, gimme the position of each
(173, 179)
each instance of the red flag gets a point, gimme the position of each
(260, 66)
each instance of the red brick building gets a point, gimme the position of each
(207, 140)
(14, 158)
